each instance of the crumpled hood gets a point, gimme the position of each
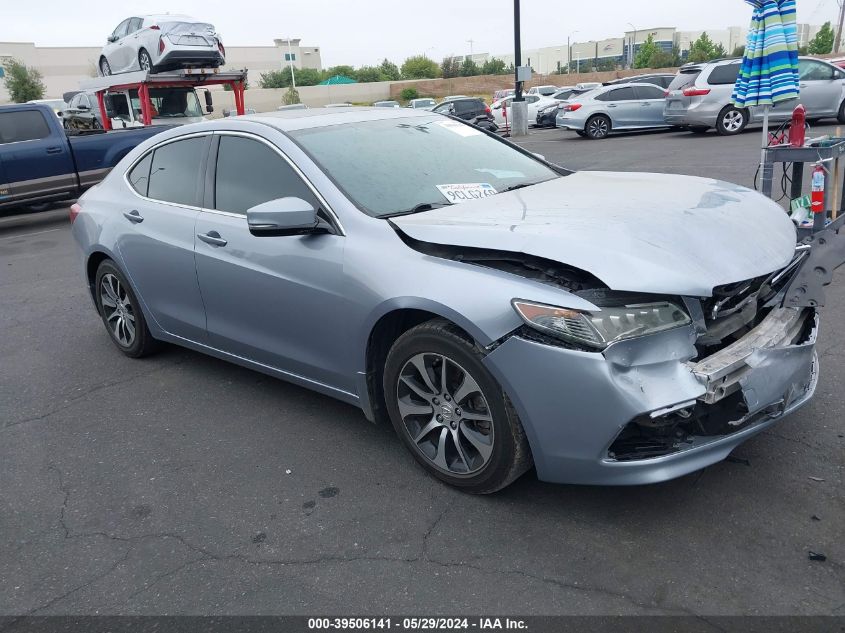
(638, 232)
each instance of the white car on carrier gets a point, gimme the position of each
(161, 42)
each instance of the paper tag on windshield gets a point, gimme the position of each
(466, 192)
(461, 129)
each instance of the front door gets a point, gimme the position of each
(157, 242)
(652, 101)
(273, 300)
(622, 107)
(821, 88)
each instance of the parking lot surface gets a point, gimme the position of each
(181, 484)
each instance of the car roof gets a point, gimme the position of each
(324, 117)
(170, 17)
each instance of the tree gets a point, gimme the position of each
(307, 76)
(346, 71)
(469, 68)
(291, 96)
(390, 70)
(644, 55)
(822, 43)
(22, 83)
(281, 78)
(494, 66)
(662, 59)
(739, 51)
(450, 68)
(368, 74)
(719, 51)
(420, 67)
(409, 93)
(603, 65)
(701, 49)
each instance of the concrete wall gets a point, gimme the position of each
(268, 99)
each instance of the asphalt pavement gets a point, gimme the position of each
(181, 484)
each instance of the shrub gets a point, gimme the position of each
(409, 93)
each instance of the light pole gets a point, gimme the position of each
(557, 56)
(569, 52)
(290, 59)
(519, 109)
(633, 44)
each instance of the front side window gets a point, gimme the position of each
(250, 173)
(174, 171)
(390, 166)
(121, 29)
(26, 125)
(620, 94)
(815, 71)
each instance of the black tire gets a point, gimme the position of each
(509, 455)
(142, 343)
(104, 67)
(144, 58)
(95, 124)
(597, 127)
(841, 115)
(699, 129)
(581, 133)
(731, 121)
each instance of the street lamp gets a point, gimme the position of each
(633, 44)
(569, 51)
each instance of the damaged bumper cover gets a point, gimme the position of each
(642, 412)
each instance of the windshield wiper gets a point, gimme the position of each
(519, 186)
(424, 206)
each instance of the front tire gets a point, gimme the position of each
(841, 115)
(121, 312)
(598, 127)
(731, 121)
(105, 68)
(451, 413)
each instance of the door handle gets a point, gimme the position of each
(133, 216)
(612, 105)
(54, 150)
(213, 238)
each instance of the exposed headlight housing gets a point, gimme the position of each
(599, 329)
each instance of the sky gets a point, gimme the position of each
(365, 32)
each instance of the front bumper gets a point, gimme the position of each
(575, 405)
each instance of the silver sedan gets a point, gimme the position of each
(598, 113)
(498, 310)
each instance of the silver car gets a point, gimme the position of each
(161, 42)
(700, 96)
(498, 310)
(598, 113)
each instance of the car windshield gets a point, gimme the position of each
(402, 165)
(170, 103)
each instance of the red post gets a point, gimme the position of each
(101, 101)
(146, 104)
(238, 89)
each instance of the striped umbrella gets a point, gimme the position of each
(769, 71)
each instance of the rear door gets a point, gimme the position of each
(157, 237)
(652, 101)
(36, 162)
(821, 88)
(622, 106)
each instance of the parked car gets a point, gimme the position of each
(161, 42)
(700, 96)
(658, 79)
(839, 62)
(56, 105)
(39, 162)
(454, 98)
(546, 112)
(598, 113)
(230, 113)
(534, 101)
(543, 91)
(82, 113)
(501, 94)
(468, 108)
(422, 104)
(338, 105)
(607, 328)
(386, 104)
(292, 106)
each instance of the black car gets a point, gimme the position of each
(659, 79)
(468, 109)
(82, 113)
(546, 116)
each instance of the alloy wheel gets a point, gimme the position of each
(598, 127)
(144, 60)
(117, 309)
(105, 69)
(445, 414)
(733, 121)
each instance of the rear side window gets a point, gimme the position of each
(174, 171)
(620, 94)
(649, 92)
(25, 125)
(139, 176)
(723, 75)
(250, 173)
(682, 80)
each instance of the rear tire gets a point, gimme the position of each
(598, 127)
(145, 62)
(121, 312)
(731, 121)
(581, 133)
(458, 423)
(105, 68)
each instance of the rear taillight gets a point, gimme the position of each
(221, 49)
(75, 210)
(572, 107)
(155, 27)
(161, 44)
(488, 111)
(692, 91)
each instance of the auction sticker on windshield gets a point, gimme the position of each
(467, 191)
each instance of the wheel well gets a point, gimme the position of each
(382, 337)
(91, 267)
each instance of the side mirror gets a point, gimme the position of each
(284, 216)
(111, 38)
(209, 104)
(540, 156)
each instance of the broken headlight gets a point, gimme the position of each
(600, 329)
